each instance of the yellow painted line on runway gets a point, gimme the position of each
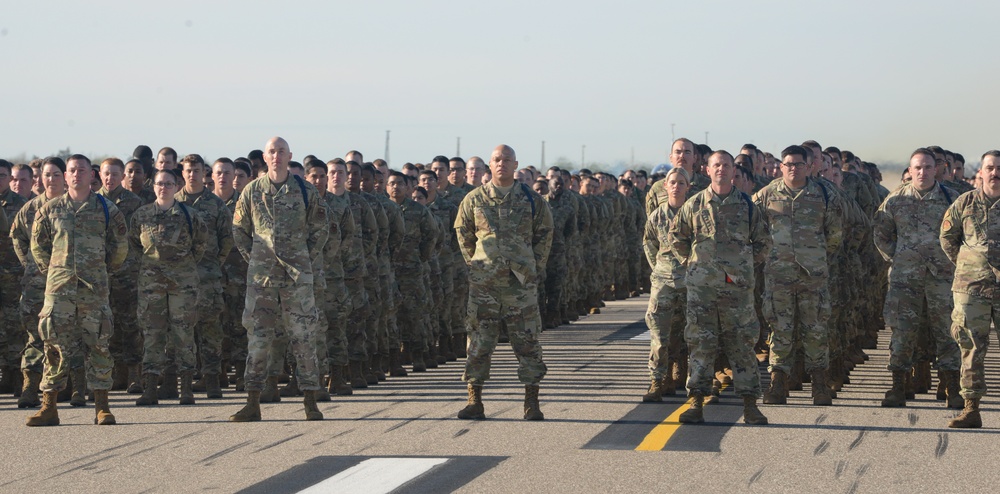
(657, 439)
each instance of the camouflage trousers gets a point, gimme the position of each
(356, 328)
(504, 304)
(371, 316)
(168, 322)
(208, 331)
(337, 307)
(721, 322)
(922, 306)
(411, 325)
(233, 297)
(970, 327)
(126, 342)
(32, 300)
(798, 312)
(76, 329)
(12, 338)
(555, 273)
(392, 311)
(665, 318)
(273, 313)
(460, 302)
(387, 296)
(444, 314)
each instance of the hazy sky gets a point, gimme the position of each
(220, 78)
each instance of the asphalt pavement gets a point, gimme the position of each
(402, 436)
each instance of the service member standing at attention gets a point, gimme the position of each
(169, 239)
(280, 227)
(76, 240)
(906, 232)
(969, 235)
(505, 233)
(719, 235)
(805, 221)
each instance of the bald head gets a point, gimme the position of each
(503, 164)
(277, 155)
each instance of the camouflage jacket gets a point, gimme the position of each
(970, 237)
(563, 221)
(806, 228)
(657, 246)
(78, 245)
(20, 234)
(445, 211)
(127, 203)
(394, 238)
(365, 241)
(719, 239)
(280, 233)
(10, 202)
(418, 239)
(338, 242)
(213, 212)
(169, 243)
(906, 230)
(382, 238)
(503, 234)
(658, 191)
(235, 267)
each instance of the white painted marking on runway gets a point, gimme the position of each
(375, 476)
(641, 337)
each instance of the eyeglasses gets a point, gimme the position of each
(456, 169)
(165, 185)
(796, 164)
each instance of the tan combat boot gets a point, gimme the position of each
(474, 409)
(251, 411)
(694, 414)
(168, 390)
(337, 384)
(148, 391)
(896, 396)
(134, 380)
(292, 388)
(309, 402)
(213, 388)
(820, 389)
(270, 392)
(358, 380)
(103, 414)
(187, 385)
(777, 393)
(656, 391)
(78, 378)
(751, 414)
(532, 410)
(953, 389)
(29, 391)
(48, 415)
(969, 418)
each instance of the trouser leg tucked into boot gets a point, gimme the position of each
(532, 410)
(103, 414)
(821, 389)
(657, 389)
(969, 418)
(270, 392)
(48, 414)
(474, 409)
(695, 413)
(29, 391)
(251, 411)
(337, 384)
(777, 393)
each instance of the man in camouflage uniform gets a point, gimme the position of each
(388, 342)
(599, 219)
(805, 220)
(280, 228)
(505, 233)
(668, 294)
(372, 284)
(457, 189)
(969, 233)
(76, 240)
(234, 272)
(215, 214)
(11, 336)
(126, 343)
(564, 229)
(682, 154)
(906, 233)
(445, 212)
(719, 234)
(356, 271)
(33, 282)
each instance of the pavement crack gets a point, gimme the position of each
(821, 419)
(821, 448)
(285, 440)
(756, 476)
(408, 421)
(942, 445)
(208, 459)
(857, 441)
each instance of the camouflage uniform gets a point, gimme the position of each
(806, 227)
(658, 191)
(906, 230)
(460, 301)
(126, 342)
(234, 294)
(169, 244)
(408, 262)
(356, 272)
(32, 284)
(445, 212)
(280, 229)
(208, 331)
(505, 240)
(75, 247)
(564, 229)
(377, 340)
(12, 338)
(574, 291)
(336, 302)
(386, 276)
(719, 239)
(667, 296)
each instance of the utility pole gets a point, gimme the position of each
(458, 146)
(672, 137)
(386, 155)
(706, 137)
(543, 154)
(583, 162)
(632, 164)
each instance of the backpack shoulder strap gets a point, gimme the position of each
(107, 215)
(749, 202)
(531, 199)
(187, 216)
(302, 187)
(945, 192)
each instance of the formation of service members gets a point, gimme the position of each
(145, 275)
